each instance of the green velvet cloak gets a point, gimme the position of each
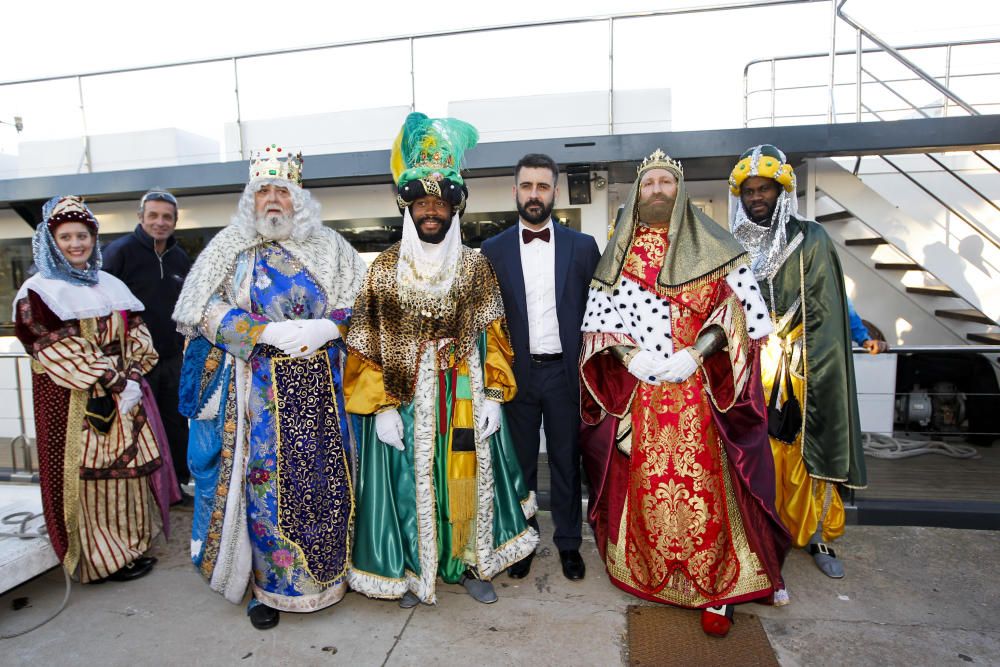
(831, 444)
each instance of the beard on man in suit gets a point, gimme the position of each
(544, 270)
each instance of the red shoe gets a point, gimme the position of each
(716, 621)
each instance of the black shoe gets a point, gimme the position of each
(521, 568)
(137, 569)
(572, 565)
(143, 561)
(186, 502)
(263, 617)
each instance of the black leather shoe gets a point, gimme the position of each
(143, 561)
(263, 617)
(521, 568)
(138, 568)
(572, 565)
(186, 502)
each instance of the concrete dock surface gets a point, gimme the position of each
(912, 596)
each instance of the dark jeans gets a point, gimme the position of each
(164, 380)
(549, 395)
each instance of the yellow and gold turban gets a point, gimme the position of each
(766, 161)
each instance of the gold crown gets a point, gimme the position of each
(660, 160)
(274, 162)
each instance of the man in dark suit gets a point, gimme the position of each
(544, 271)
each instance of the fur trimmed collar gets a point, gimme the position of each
(336, 266)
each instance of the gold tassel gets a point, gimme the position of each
(462, 495)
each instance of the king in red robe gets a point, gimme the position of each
(675, 442)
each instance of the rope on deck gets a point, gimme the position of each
(887, 447)
(21, 520)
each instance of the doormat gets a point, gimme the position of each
(673, 636)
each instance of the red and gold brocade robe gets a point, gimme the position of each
(96, 489)
(681, 474)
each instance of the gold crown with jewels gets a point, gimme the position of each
(660, 160)
(274, 162)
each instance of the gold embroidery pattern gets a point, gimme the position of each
(494, 394)
(678, 507)
(315, 505)
(213, 535)
(653, 244)
(678, 589)
(71, 461)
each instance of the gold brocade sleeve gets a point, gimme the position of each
(364, 388)
(139, 346)
(498, 372)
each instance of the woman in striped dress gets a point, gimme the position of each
(89, 349)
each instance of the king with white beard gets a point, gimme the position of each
(264, 308)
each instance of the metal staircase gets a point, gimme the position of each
(924, 226)
(906, 253)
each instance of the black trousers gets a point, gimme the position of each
(550, 398)
(164, 380)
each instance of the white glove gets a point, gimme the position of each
(129, 397)
(647, 366)
(679, 367)
(298, 338)
(489, 419)
(310, 335)
(389, 427)
(275, 333)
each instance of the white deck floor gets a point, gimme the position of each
(22, 559)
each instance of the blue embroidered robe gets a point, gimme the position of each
(269, 448)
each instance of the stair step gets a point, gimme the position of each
(984, 338)
(965, 315)
(875, 240)
(931, 290)
(835, 217)
(898, 266)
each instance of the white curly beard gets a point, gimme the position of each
(274, 227)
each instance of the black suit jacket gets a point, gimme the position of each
(576, 258)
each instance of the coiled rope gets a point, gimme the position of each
(887, 447)
(21, 520)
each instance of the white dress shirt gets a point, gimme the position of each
(538, 264)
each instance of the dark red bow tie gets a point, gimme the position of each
(530, 236)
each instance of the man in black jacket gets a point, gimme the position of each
(154, 266)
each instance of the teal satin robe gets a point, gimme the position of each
(391, 554)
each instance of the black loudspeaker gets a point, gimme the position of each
(579, 188)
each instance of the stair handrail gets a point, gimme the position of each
(774, 60)
(903, 60)
(980, 229)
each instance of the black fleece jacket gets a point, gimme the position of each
(155, 280)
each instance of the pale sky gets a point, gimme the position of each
(699, 57)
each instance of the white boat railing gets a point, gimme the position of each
(226, 72)
(868, 109)
(757, 97)
(22, 442)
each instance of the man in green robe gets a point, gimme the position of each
(439, 490)
(815, 438)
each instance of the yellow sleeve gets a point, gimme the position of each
(364, 390)
(498, 372)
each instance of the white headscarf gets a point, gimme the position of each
(425, 272)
